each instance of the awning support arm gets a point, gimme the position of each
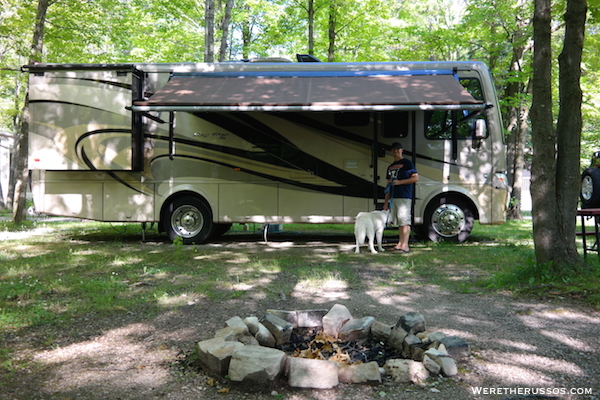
(171, 135)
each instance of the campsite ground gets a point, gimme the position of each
(519, 345)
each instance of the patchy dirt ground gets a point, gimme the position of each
(520, 347)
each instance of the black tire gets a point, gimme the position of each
(448, 218)
(189, 218)
(590, 188)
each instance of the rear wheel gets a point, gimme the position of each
(189, 218)
(590, 188)
(448, 218)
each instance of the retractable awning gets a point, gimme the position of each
(293, 91)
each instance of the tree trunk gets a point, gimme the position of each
(543, 178)
(311, 27)
(568, 130)
(225, 31)
(518, 162)
(555, 169)
(22, 140)
(246, 34)
(209, 31)
(515, 140)
(16, 124)
(331, 32)
(515, 92)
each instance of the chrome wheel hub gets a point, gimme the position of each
(587, 188)
(448, 220)
(187, 221)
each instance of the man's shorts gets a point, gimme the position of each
(401, 212)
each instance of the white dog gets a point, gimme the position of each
(370, 225)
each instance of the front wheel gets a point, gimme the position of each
(189, 218)
(448, 218)
(590, 188)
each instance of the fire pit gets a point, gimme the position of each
(320, 348)
(313, 343)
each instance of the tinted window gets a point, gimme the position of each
(395, 124)
(473, 86)
(439, 124)
(351, 118)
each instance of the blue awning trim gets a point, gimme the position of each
(310, 74)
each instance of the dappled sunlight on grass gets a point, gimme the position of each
(321, 287)
(124, 272)
(16, 271)
(121, 261)
(182, 299)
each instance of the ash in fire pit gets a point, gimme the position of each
(313, 343)
(320, 348)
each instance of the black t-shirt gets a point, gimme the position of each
(402, 169)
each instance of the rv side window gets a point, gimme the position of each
(395, 124)
(350, 118)
(439, 124)
(473, 86)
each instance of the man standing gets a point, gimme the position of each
(401, 174)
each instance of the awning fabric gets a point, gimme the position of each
(293, 92)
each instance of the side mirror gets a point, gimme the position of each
(480, 133)
(480, 129)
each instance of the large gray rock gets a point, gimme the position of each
(215, 354)
(397, 337)
(279, 328)
(256, 363)
(311, 373)
(310, 318)
(456, 347)
(444, 360)
(381, 331)
(401, 370)
(360, 373)
(237, 333)
(265, 337)
(412, 322)
(433, 367)
(428, 337)
(301, 318)
(333, 321)
(289, 316)
(448, 365)
(356, 329)
(411, 347)
(237, 322)
(252, 324)
(231, 333)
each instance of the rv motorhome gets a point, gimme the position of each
(196, 147)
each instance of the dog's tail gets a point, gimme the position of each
(369, 231)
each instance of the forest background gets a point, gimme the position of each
(498, 32)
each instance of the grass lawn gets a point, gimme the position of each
(52, 271)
